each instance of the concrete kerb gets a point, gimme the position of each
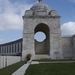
(58, 62)
(36, 62)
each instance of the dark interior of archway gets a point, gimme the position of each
(42, 47)
(42, 27)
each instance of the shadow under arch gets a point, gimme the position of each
(42, 47)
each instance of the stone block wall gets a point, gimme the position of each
(67, 47)
(73, 42)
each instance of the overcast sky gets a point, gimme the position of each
(11, 12)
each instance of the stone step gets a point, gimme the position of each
(42, 56)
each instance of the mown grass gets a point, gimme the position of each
(11, 69)
(51, 69)
(47, 60)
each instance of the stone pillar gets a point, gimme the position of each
(1, 50)
(28, 45)
(10, 49)
(19, 47)
(13, 48)
(6, 49)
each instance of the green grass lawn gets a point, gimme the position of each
(51, 69)
(48, 60)
(12, 68)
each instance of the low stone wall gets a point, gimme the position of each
(8, 60)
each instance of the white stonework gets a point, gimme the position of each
(41, 18)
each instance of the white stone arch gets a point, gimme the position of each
(42, 47)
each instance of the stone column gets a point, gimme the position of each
(19, 47)
(6, 49)
(1, 50)
(16, 47)
(9, 49)
(13, 48)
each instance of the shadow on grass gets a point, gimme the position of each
(11, 69)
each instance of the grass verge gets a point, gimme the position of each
(51, 69)
(11, 69)
(48, 60)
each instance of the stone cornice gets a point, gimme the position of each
(54, 17)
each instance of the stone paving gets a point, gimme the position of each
(21, 71)
(58, 62)
(35, 62)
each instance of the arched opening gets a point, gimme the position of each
(40, 36)
(41, 39)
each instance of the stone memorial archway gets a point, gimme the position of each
(40, 17)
